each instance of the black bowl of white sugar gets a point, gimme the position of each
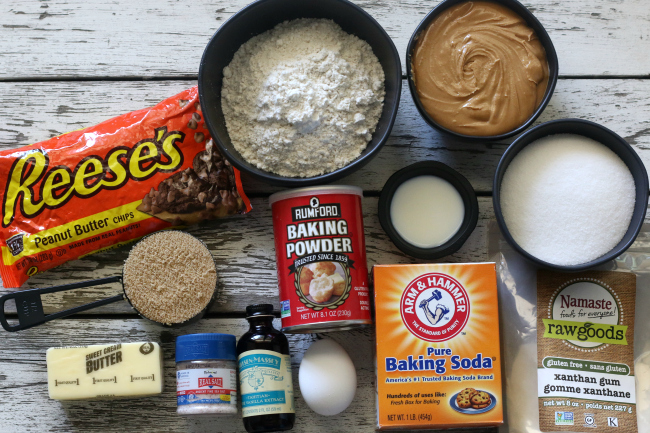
(570, 195)
(300, 92)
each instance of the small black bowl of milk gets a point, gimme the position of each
(428, 210)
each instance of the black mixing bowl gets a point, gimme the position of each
(602, 135)
(551, 57)
(457, 180)
(263, 15)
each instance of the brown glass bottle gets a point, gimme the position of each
(265, 379)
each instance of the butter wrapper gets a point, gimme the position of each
(122, 370)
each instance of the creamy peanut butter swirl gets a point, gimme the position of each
(479, 69)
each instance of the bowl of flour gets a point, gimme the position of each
(300, 93)
(570, 194)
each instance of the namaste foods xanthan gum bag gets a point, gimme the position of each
(88, 190)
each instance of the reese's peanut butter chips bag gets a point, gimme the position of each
(88, 190)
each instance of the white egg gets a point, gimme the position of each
(327, 377)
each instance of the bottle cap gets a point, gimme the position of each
(259, 310)
(193, 347)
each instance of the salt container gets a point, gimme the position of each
(206, 374)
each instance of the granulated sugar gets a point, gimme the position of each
(567, 199)
(170, 277)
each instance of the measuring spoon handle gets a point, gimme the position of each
(29, 305)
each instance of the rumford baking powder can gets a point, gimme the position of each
(321, 258)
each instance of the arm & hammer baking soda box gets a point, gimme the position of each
(438, 348)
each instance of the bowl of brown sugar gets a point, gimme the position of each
(170, 278)
(481, 69)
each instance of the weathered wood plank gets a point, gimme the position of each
(27, 408)
(32, 112)
(244, 251)
(79, 38)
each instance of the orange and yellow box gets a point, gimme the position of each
(438, 346)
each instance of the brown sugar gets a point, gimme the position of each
(170, 277)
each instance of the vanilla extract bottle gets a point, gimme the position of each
(265, 374)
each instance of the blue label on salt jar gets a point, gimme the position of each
(206, 386)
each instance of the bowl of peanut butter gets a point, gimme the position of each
(481, 69)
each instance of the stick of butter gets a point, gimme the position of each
(104, 371)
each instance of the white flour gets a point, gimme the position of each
(302, 99)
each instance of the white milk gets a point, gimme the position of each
(427, 211)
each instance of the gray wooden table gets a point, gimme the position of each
(69, 64)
